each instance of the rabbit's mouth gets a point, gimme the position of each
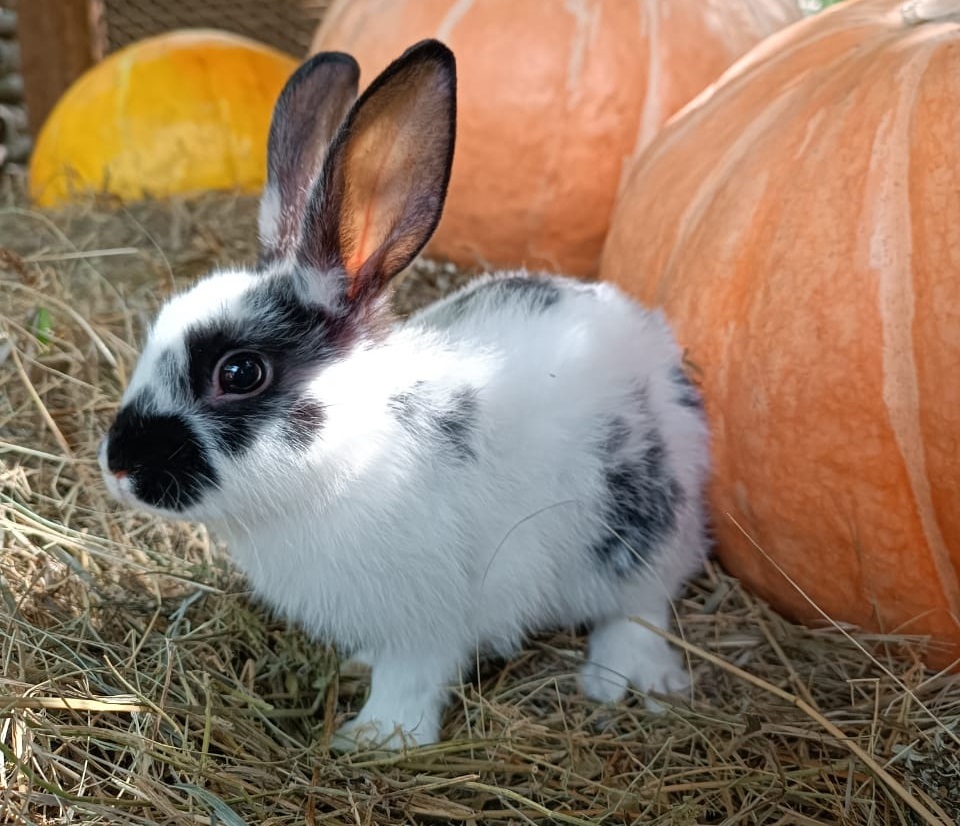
(156, 462)
(119, 485)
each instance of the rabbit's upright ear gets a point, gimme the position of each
(309, 111)
(383, 184)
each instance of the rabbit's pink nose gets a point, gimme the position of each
(119, 474)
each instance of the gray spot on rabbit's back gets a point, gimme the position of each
(533, 293)
(446, 421)
(457, 424)
(641, 500)
(617, 435)
(536, 293)
(687, 394)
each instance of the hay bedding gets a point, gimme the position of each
(141, 685)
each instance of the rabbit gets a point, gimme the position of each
(524, 454)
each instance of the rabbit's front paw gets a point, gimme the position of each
(403, 710)
(362, 734)
(622, 653)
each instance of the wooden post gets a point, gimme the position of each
(59, 40)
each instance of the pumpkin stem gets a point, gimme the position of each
(928, 11)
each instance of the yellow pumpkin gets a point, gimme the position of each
(183, 112)
(800, 226)
(553, 99)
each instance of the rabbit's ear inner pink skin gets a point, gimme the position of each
(384, 181)
(308, 114)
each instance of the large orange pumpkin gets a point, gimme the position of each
(800, 224)
(183, 112)
(554, 97)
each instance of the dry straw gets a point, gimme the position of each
(140, 685)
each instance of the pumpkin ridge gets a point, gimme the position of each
(578, 47)
(765, 57)
(650, 112)
(545, 189)
(735, 81)
(888, 188)
(718, 177)
(942, 559)
(457, 11)
(126, 66)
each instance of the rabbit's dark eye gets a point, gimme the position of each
(241, 373)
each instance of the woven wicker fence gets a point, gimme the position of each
(14, 140)
(285, 24)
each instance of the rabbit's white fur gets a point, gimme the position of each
(414, 559)
(456, 496)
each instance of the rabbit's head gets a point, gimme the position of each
(223, 390)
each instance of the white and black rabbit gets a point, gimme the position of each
(524, 454)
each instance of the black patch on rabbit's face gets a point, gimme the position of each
(449, 421)
(642, 499)
(294, 339)
(687, 393)
(166, 463)
(533, 293)
(537, 293)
